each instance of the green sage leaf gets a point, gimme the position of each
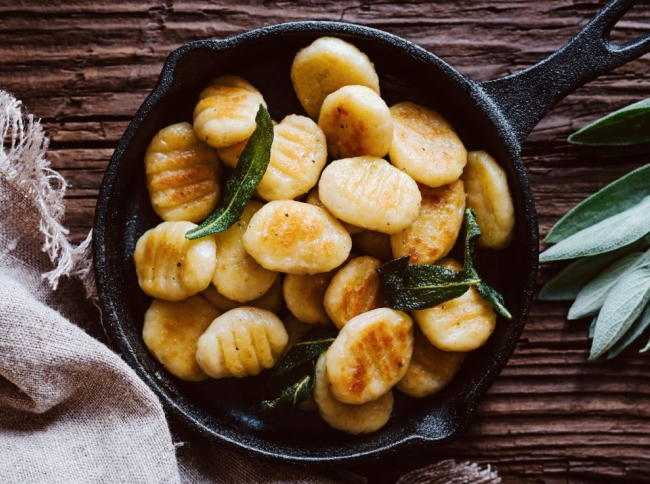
(605, 236)
(622, 306)
(495, 298)
(293, 395)
(615, 198)
(592, 296)
(240, 186)
(627, 126)
(646, 348)
(637, 328)
(308, 349)
(592, 327)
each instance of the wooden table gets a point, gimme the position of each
(84, 67)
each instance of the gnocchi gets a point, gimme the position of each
(356, 122)
(353, 419)
(488, 194)
(182, 174)
(374, 244)
(314, 199)
(370, 355)
(304, 296)
(430, 370)
(171, 267)
(296, 238)
(434, 232)
(241, 342)
(354, 290)
(238, 276)
(325, 66)
(171, 331)
(462, 324)
(225, 113)
(270, 300)
(370, 193)
(425, 146)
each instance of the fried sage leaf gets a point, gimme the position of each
(293, 395)
(627, 126)
(605, 236)
(308, 349)
(240, 186)
(622, 306)
(613, 199)
(637, 328)
(592, 296)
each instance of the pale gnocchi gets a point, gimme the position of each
(356, 122)
(370, 193)
(325, 66)
(182, 174)
(304, 296)
(314, 199)
(171, 267)
(271, 299)
(241, 342)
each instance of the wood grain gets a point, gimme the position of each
(553, 416)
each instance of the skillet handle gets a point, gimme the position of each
(525, 97)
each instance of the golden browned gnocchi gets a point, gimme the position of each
(171, 331)
(225, 113)
(304, 296)
(325, 66)
(171, 267)
(356, 122)
(238, 276)
(296, 238)
(370, 355)
(314, 199)
(241, 342)
(182, 174)
(425, 145)
(271, 299)
(355, 289)
(353, 419)
(230, 154)
(488, 194)
(462, 324)
(374, 244)
(298, 155)
(430, 370)
(370, 193)
(434, 232)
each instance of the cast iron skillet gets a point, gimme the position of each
(495, 116)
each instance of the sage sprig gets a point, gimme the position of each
(250, 169)
(420, 286)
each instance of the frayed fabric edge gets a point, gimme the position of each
(23, 163)
(451, 472)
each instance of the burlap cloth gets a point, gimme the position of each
(70, 409)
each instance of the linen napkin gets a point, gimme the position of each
(70, 409)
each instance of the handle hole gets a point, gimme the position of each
(634, 25)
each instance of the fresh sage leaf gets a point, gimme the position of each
(622, 306)
(637, 328)
(240, 186)
(605, 236)
(627, 126)
(592, 296)
(293, 395)
(495, 298)
(309, 348)
(592, 327)
(566, 285)
(646, 348)
(618, 196)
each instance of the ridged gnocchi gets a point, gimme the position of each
(425, 145)
(182, 174)
(225, 113)
(374, 244)
(171, 331)
(241, 342)
(304, 296)
(238, 276)
(271, 299)
(430, 370)
(488, 194)
(171, 267)
(325, 66)
(298, 155)
(356, 122)
(355, 289)
(462, 324)
(434, 232)
(314, 199)
(353, 419)
(370, 193)
(370, 355)
(296, 238)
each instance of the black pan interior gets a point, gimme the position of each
(228, 409)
